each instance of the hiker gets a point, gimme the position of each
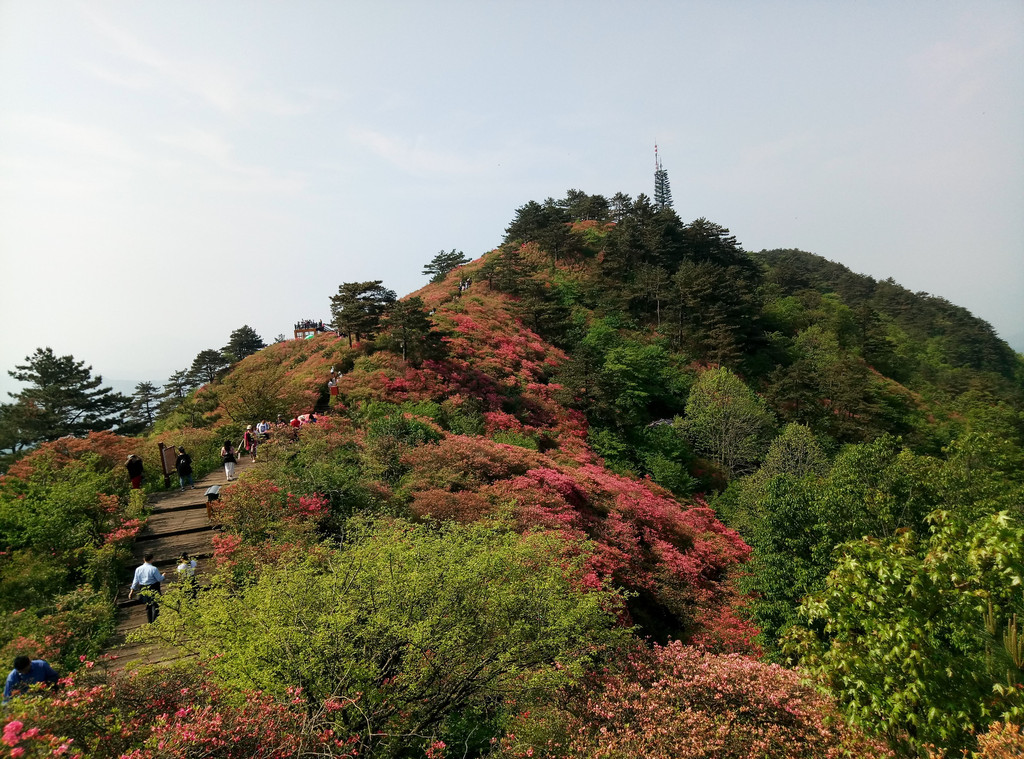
(227, 456)
(134, 467)
(183, 464)
(187, 575)
(249, 443)
(28, 672)
(148, 578)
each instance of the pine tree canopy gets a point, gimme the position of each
(441, 264)
(63, 398)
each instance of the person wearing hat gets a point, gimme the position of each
(249, 442)
(134, 467)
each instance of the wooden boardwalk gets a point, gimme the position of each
(178, 524)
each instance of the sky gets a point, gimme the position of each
(172, 171)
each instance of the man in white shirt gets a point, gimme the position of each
(148, 578)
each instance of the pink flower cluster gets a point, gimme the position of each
(125, 533)
(678, 702)
(644, 539)
(17, 738)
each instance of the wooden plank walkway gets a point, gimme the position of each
(178, 524)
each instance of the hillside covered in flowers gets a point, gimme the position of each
(618, 488)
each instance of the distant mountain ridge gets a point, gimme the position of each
(969, 340)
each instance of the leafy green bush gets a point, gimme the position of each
(412, 632)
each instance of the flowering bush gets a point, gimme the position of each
(679, 560)
(160, 715)
(677, 702)
(257, 510)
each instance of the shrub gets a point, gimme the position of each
(677, 702)
(159, 715)
(406, 628)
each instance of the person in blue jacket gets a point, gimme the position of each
(28, 672)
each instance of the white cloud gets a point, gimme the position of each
(217, 85)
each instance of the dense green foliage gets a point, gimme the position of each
(419, 633)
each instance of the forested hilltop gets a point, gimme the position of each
(618, 488)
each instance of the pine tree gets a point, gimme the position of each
(243, 342)
(358, 307)
(441, 264)
(63, 398)
(208, 365)
(412, 332)
(175, 390)
(143, 409)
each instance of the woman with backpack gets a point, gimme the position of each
(227, 455)
(183, 464)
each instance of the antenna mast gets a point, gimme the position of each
(662, 193)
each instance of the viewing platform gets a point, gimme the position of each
(309, 328)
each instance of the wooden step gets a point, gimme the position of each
(166, 522)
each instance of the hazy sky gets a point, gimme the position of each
(170, 171)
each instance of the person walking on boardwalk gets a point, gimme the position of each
(183, 464)
(26, 673)
(187, 575)
(134, 467)
(249, 443)
(147, 579)
(227, 456)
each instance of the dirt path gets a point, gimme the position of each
(178, 524)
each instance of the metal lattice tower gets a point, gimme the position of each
(662, 191)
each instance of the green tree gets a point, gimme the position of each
(652, 284)
(411, 332)
(243, 342)
(712, 309)
(207, 366)
(620, 206)
(583, 207)
(907, 631)
(443, 263)
(63, 398)
(547, 225)
(413, 631)
(358, 307)
(17, 427)
(645, 235)
(143, 410)
(507, 270)
(795, 452)
(175, 390)
(263, 393)
(726, 422)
